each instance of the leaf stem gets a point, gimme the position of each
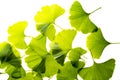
(95, 10)
(29, 36)
(92, 56)
(115, 43)
(58, 26)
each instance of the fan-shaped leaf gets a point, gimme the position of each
(79, 19)
(50, 32)
(99, 71)
(96, 43)
(36, 51)
(7, 55)
(64, 39)
(16, 34)
(46, 16)
(51, 66)
(75, 53)
(32, 76)
(67, 72)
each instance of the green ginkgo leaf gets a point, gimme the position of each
(36, 51)
(79, 19)
(18, 73)
(96, 43)
(50, 32)
(32, 76)
(47, 16)
(58, 53)
(67, 72)
(75, 53)
(64, 39)
(99, 71)
(7, 55)
(16, 34)
(5, 49)
(51, 66)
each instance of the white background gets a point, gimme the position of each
(107, 18)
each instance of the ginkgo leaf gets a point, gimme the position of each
(51, 66)
(57, 53)
(79, 19)
(32, 76)
(64, 39)
(67, 72)
(99, 71)
(46, 16)
(50, 32)
(5, 49)
(96, 43)
(75, 53)
(7, 55)
(16, 34)
(18, 73)
(14, 72)
(78, 64)
(36, 51)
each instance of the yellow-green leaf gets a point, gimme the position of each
(64, 39)
(99, 71)
(16, 34)
(79, 19)
(36, 51)
(75, 53)
(96, 43)
(47, 16)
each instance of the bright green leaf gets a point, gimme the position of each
(64, 39)
(79, 19)
(58, 53)
(67, 72)
(47, 16)
(51, 66)
(16, 34)
(15, 72)
(50, 32)
(99, 71)
(7, 55)
(32, 76)
(36, 51)
(96, 43)
(75, 53)
(5, 49)
(78, 64)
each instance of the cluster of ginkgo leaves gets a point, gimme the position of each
(44, 63)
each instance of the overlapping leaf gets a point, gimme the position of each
(51, 66)
(79, 19)
(64, 39)
(99, 71)
(47, 16)
(32, 76)
(16, 34)
(50, 32)
(36, 51)
(75, 53)
(96, 43)
(67, 72)
(15, 73)
(58, 53)
(7, 55)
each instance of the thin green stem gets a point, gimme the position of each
(115, 43)
(92, 56)
(95, 10)
(58, 26)
(29, 36)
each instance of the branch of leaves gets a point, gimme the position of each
(48, 63)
